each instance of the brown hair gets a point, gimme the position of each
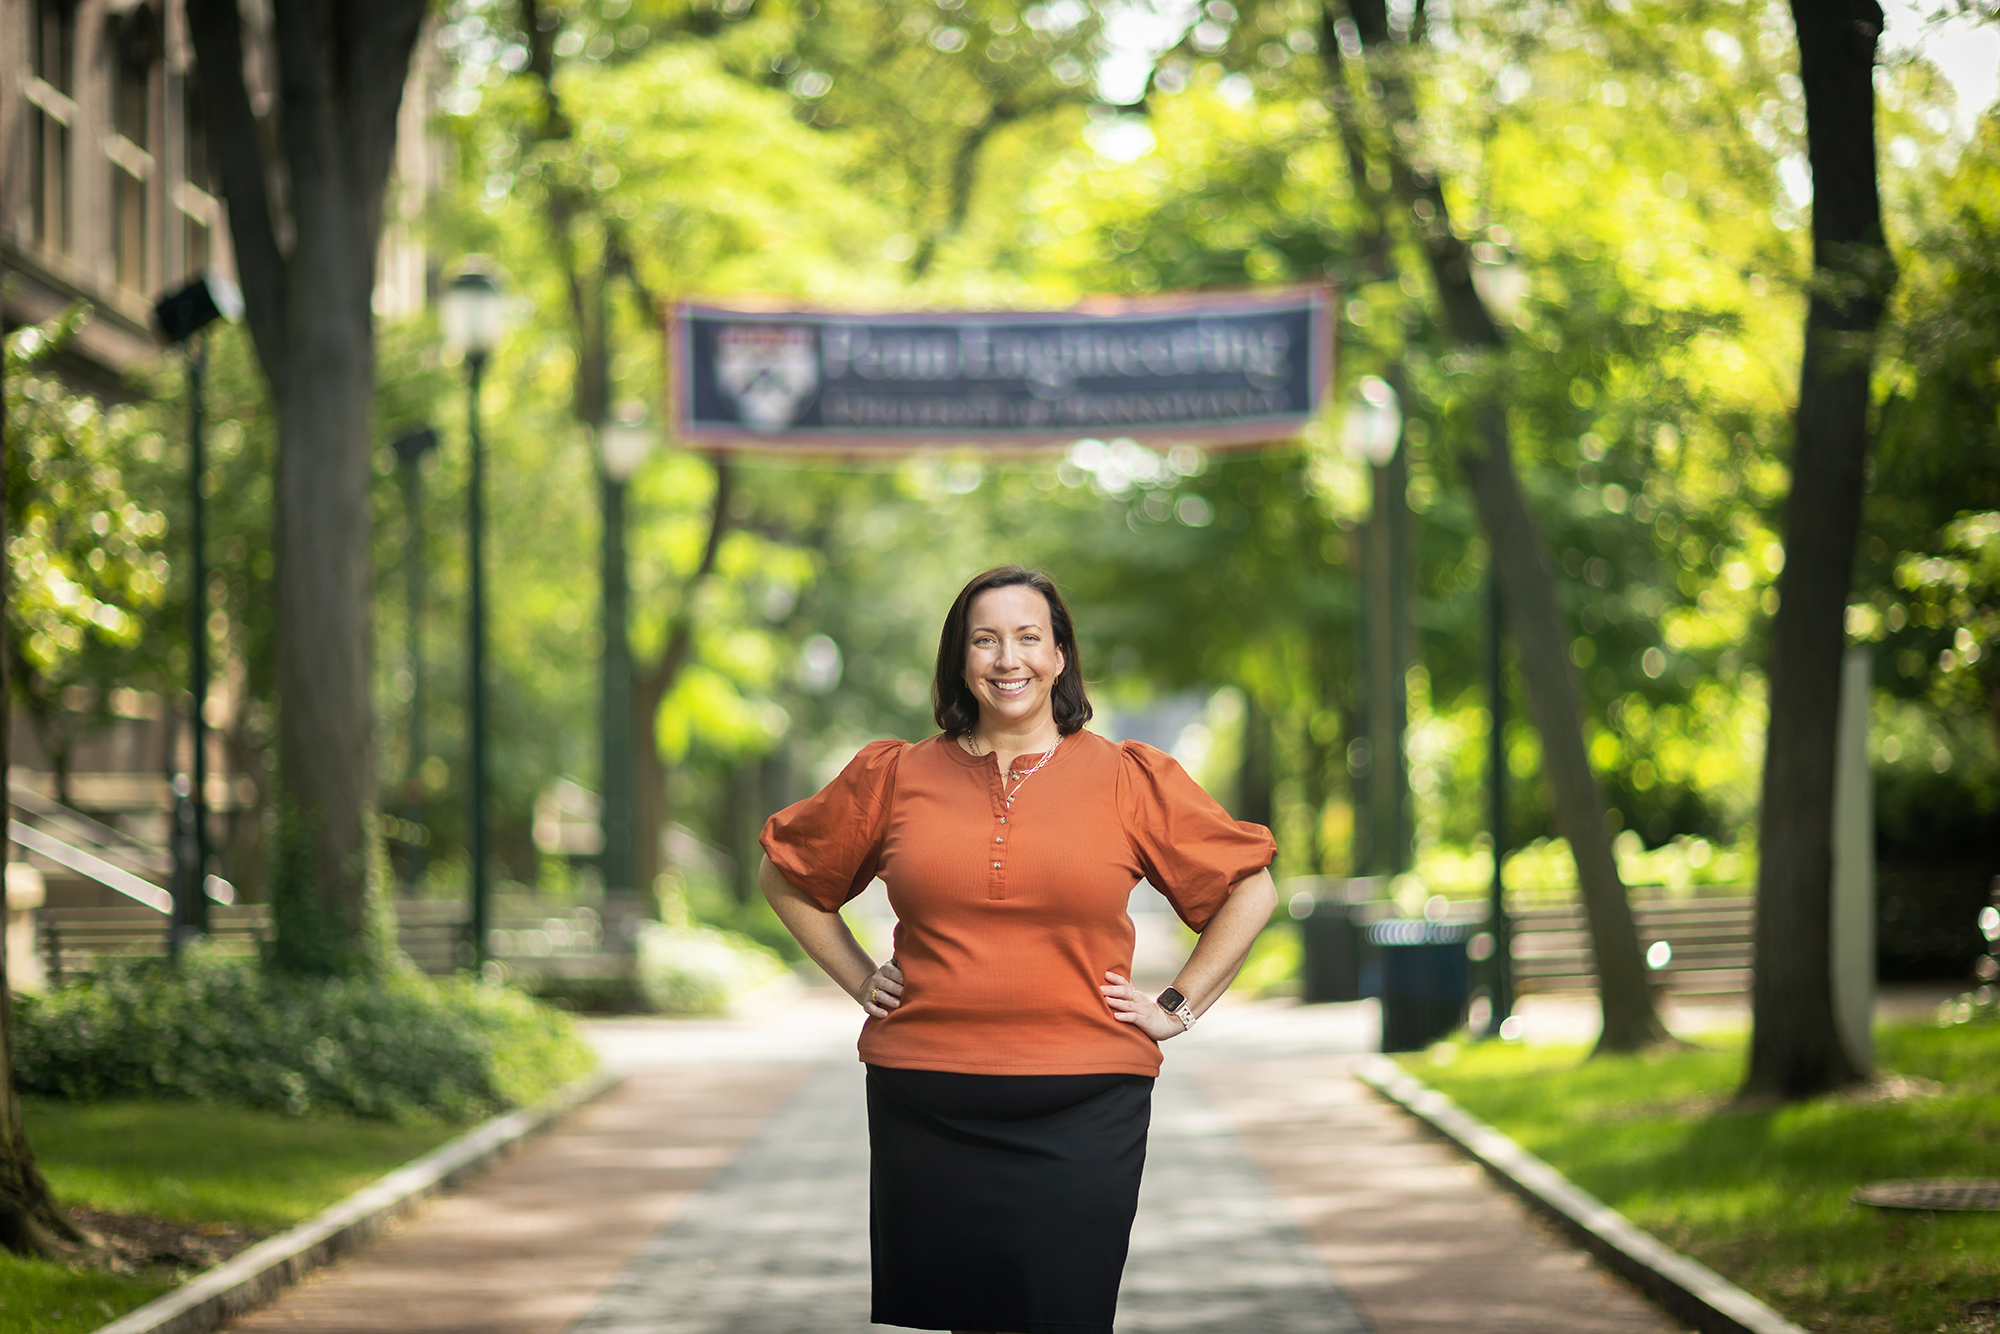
(952, 701)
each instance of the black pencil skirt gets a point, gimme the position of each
(1003, 1202)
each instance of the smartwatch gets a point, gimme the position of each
(1177, 1005)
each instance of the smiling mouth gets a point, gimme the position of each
(1011, 687)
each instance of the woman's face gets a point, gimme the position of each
(1011, 658)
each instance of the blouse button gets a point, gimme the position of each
(996, 866)
(1003, 819)
(999, 840)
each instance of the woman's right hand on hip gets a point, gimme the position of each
(883, 991)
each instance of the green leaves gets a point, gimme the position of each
(400, 1046)
(85, 559)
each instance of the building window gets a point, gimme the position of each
(131, 165)
(51, 91)
(198, 187)
(194, 135)
(195, 234)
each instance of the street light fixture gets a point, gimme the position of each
(182, 315)
(1373, 431)
(473, 313)
(1374, 425)
(622, 446)
(625, 442)
(1499, 279)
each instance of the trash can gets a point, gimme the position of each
(1333, 914)
(1426, 979)
(1330, 939)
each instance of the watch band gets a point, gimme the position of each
(1176, 1005)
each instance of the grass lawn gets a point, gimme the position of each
(193, 1163)
(1763, 1196)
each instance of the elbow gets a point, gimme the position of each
(774, 885)
(1263, 892)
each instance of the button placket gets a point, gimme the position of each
(996, 882)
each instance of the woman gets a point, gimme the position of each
(1010, 1060)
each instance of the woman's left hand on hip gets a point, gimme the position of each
(1129, 1005)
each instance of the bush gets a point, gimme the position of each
(401, 1046)
(696, 970)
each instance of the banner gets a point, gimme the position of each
(1207, 369)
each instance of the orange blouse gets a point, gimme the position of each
(1009, 914)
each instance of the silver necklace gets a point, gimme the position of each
(971, 744)
(1021, 779)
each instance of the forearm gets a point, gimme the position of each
(823, 935)
(1225, 943)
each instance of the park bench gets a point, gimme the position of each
(1707, 954)
(529, 936)
(75, 941)
(1695, 947)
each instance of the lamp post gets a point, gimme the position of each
(1373, 432)
(411, 447)
(1503, 284)
(1501, 988)
(472, 311)
(182, 315)
(622, 445)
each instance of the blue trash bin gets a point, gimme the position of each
(1426, 979)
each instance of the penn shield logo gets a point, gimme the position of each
(768, 370)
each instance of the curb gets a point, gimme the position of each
(253, 1278)
(1687, 1289)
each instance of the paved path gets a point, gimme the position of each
(778, 1243)
(723, 1190)
(526, 1247)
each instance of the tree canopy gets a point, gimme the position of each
(1637, 163)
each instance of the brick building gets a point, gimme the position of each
(105, 190)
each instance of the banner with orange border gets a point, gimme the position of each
(1200, 368)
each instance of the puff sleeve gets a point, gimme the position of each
(828, 845)
(1189, 848)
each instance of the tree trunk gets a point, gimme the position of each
(30, 1223)
(1541, 638)
(1796, 1050)
(1256, 773)
(305, 221)
(1527, 576)
(649, 817)
(325, 737)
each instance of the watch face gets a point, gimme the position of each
(1171, 1000)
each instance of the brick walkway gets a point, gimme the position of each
(723, 1190)
(1422, 1240)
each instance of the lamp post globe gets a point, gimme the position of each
(473, 312)
(1499, 279)
(1374, 422)
(625, 442)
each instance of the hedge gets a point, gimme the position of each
(399, 1046)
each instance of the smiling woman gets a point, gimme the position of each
(1010, 1058)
